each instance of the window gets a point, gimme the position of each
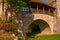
(25, 10)
(43, 0)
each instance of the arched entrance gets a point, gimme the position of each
(38, 27)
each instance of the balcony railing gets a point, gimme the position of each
(43, 12)
(40, 11)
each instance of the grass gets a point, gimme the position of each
(47, 37)
(44, 37)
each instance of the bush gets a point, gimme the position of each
(20, 38)
(9, 20)
(10, 27)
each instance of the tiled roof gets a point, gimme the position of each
(49, 3)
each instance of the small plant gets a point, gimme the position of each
(9, 20)
(10, 27)
(0, 19)
(20, 38)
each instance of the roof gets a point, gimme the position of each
(48, 3)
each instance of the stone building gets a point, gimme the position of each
(43, 11)
(46, 12)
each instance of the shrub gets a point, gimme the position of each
(20, 38)
(9, 20)
(10, 27)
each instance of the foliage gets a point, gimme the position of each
(33, 29)
(10, 27)
(20, 38)
(16, 4)
(9, 20)
(0, 19)
(17, 7)
(27, 2)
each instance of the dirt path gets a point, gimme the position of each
(5, 34)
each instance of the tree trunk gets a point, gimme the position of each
(23, 28)
(21, 25)
(6, 14)
(3, 10)
(3, 16)
(6, 10)
(23, 32)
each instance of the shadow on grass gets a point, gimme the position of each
(47, 37)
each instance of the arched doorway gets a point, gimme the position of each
(38, 27)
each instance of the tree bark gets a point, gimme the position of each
(6, 10)
(23, 28)
(3, 10)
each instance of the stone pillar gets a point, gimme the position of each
(37, 8)
(58, 8)
(49, 12)
(43, 10)
(57, 27)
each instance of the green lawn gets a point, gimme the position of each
(47, 37)
(44, 37)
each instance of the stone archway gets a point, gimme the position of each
(44, 26)
(49, 19)
(39, 27)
